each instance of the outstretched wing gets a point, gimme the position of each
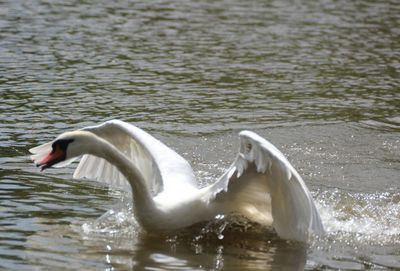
(160, 166)
(262, 185)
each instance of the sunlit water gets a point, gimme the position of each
(320, 79)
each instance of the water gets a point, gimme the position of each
(319, 79)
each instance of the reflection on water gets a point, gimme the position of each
(318, 78)
(240, 248)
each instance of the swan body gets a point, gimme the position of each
(260, 184)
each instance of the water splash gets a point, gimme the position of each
(365, 218)
(352, 220)
(118, 221)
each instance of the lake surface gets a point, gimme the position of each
(319, 79)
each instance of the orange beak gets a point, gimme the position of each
(55, 156)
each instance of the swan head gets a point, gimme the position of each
(65, 147)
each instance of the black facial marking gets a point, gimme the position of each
(62, 143)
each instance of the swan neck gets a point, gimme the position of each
(143, 201)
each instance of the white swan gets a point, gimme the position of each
(260, 184)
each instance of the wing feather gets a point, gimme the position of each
(262, 184)
(159, 164)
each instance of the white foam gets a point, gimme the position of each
(370, 218)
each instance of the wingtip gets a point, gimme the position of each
(246, 133)
(34, 150)
(114, 121)
(41, 148)
(252, 135)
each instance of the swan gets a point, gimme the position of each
(260, 184)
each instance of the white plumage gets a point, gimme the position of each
(260, 184)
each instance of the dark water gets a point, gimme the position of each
(320, 79)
